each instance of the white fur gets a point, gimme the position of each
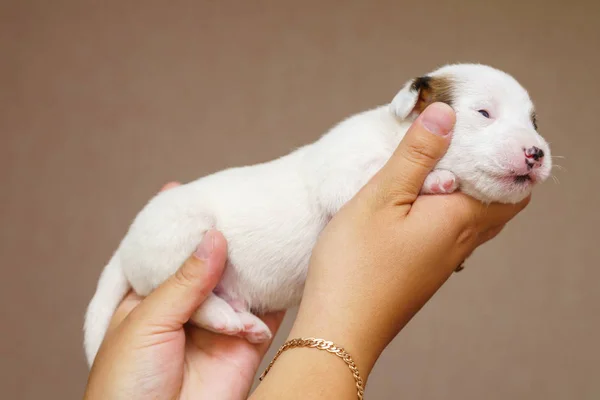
(272, 213)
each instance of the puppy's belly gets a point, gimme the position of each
(267, 268)
(270, 237)
(266, 286)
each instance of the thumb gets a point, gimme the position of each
(424, 144)
(172, 304)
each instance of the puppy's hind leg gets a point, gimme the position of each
(255, 330)
(216, 315)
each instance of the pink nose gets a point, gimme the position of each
(533, 157)
(534, 152)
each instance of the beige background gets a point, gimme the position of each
(103, 102)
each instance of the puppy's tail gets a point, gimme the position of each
(112, 287)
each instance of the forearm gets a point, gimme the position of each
(311, 373)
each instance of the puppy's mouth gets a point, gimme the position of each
(514, 180)
(518, 182)
(521, 179)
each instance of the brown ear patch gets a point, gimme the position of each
(534, 120)
(432, 90)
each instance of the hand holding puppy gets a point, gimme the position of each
(379, 260)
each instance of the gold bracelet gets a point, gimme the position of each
(321, 344)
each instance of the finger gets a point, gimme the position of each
(490, 216)
(482, 238)
(464, 212)
(172, 303)
(130, 302)
(462, 219)
(490, 234)
(170, 185)
(425, 142)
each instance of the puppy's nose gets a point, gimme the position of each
(534, 152)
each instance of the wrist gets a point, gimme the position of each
(363, 343)
(307, 373)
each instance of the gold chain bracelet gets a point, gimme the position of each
(321, 344)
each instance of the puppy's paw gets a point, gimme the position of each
(255, 330)
(217, 316)
(440, 181)
(225, 325)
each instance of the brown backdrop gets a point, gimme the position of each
(103, 102)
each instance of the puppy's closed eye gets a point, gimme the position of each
(534, 120)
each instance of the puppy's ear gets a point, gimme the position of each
(420, 92)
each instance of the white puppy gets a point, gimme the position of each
(272, 213)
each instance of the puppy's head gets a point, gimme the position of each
(496, 152)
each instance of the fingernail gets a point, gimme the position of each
(438, 119)
(205, 248)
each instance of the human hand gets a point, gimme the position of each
(150, 352)
(388, 250)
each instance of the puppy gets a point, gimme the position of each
(272, 213)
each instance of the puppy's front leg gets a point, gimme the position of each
(440, 181)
